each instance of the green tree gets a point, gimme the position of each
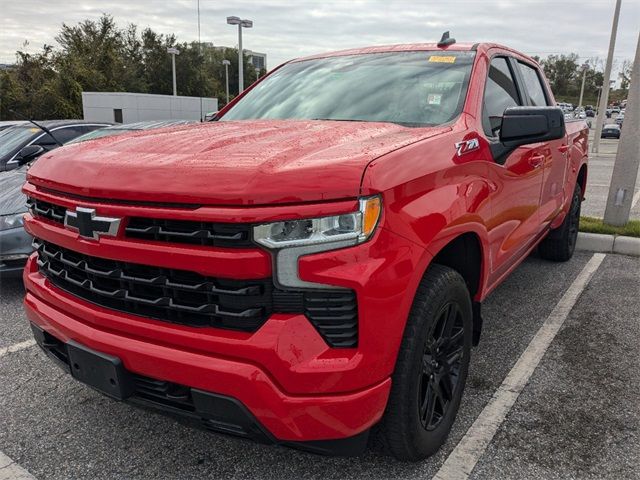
(562, 72)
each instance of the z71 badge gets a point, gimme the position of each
(467, 146)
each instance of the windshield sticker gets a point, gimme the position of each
(434, 98)
(442, 59)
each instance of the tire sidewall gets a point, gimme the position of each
(428, 442)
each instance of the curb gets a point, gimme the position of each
(595, 242)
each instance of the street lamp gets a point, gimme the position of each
(226, 64)
(246, 24)
(173, 52)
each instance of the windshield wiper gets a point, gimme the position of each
(402, 124)
(340, 119)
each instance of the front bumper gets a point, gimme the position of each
(286, 417)
(211, 411)
(15, 248)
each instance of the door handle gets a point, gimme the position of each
(563, 148)
(536, 161)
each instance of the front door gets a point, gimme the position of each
(518, 178)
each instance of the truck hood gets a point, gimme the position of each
(226, 163)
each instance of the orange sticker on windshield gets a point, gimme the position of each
(442, 59)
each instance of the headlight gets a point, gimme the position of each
(355, 227)
(11, 221)
(292, 239)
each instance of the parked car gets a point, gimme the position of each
(129, 127)
(15, 242)
(615, 110)
(22, 143)
(611, 130)
(590, 113)
(314, 262)
(620, 120)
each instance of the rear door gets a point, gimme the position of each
(517, 178)
(553, 153)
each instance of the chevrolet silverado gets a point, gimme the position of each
(308, 268)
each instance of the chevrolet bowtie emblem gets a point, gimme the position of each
(89, 225)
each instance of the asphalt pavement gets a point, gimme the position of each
(577, 417)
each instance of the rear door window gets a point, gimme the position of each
(533, 85)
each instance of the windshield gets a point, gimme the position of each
(410, 88)
(15, 138)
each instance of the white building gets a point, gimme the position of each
(257, 59)
(123, 107)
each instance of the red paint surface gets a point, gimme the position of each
(257, 171)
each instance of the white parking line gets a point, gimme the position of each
(461, 462)
(9, 470)
(17, 347)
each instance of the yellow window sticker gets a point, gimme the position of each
(442, 59)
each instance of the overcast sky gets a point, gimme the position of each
(288, 29)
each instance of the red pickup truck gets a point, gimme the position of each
(312, 264)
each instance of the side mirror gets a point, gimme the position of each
(525, 125)
(29, 153)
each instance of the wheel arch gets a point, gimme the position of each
(465, 254)
(582, 178)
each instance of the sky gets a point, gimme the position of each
(288, 29)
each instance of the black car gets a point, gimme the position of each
(15, 242)
(25, 141)
(610, 131)
(590, 113)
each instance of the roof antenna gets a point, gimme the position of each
(445, 41)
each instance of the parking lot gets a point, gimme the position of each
(577, 417)
(599, 179)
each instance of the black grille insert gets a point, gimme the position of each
(335, 316)
(177, 296)
(187, 298)
(333, 313)
(191, 232)
(47, 210)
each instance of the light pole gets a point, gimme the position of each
(257, 74)
(226, 64)
(621, 196)
(604, 98)
(246, 24)
(585, 67)
(173, 52)
(598, 100)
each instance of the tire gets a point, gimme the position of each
(412, 428)
(560, 243)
